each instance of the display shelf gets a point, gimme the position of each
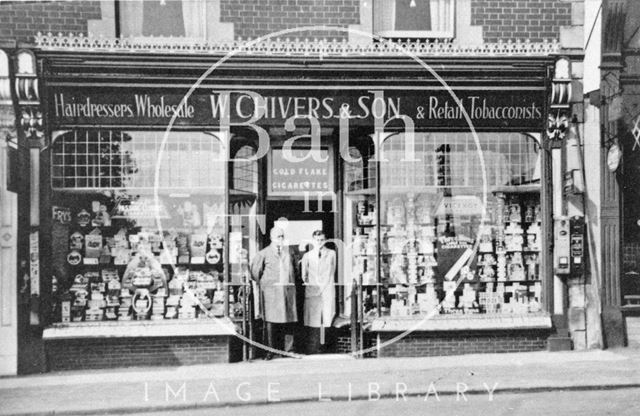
(470, 282)
(533, 188)
(417, 224)
(403, 190)
(361, 192)
(417, 254)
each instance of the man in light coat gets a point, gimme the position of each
(274, 270)
(318, 271)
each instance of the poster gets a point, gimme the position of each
(34, 262)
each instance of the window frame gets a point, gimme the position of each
(132, 9)
(418, 34)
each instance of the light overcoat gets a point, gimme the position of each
(318, 271)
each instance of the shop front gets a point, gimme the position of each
(629, 166)
(158, 189)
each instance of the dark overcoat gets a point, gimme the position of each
(276, 278)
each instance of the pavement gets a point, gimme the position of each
(316, 378)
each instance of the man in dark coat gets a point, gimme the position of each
(274, 270)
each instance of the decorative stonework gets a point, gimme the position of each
(635, 131)
(30, 114)
(286, 47)
(31, 122)
(557, 126)
(27, 89)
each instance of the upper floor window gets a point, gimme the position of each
(164, 18)
(414, 18)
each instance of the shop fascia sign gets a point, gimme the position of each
(215, 108)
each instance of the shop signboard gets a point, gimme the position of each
(300, 171)
(464, 205)
(61, 215)
(427, 107)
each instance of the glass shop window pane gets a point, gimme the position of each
(433, 214)
(128, 246)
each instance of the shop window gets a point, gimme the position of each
(453, 159)
(93, 159)
(184, 19)
(359, 171)
(630, 184)
(127, 247)
(436, 254)
(414, 19)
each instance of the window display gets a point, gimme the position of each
(119, 252)
(435, 254)
(127, 271)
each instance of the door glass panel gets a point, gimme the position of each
(244, 231)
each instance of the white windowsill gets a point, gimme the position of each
(131, 329)
(480, 322)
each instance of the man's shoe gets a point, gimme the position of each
(269, 356)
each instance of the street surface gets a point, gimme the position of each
(539, 383)
(624, 402)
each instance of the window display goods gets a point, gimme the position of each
(437, 258)
(116, 269)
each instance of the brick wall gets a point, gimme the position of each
(22, 20)
(343, 344)
(535, 20)
(75, 354)
(422, 344)
(254, 18)
(507, 19)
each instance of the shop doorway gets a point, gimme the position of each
(299, 222)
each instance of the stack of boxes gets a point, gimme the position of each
(124, 310)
